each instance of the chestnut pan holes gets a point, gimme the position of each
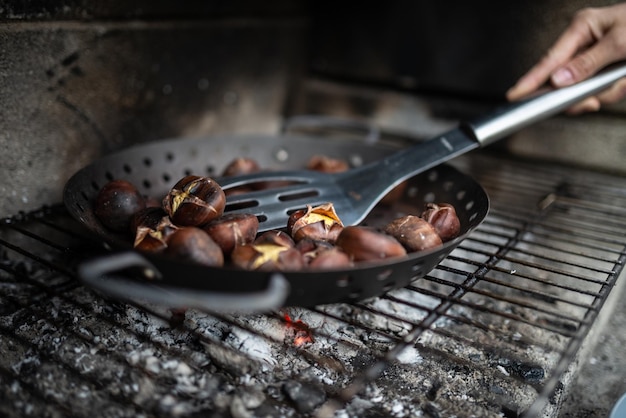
(355, 294)
(241, 205)
(433, 176)
(127, 169)
(389, 286)
(343, 281)
(166, 177)
(417, 267)
(295, 196)
(461, 195)
(469, 205)
(80, 208)
(147, 161)
(95, 186)
(169, 157)
(429, 197)
(448, 185)
(109, 176)
(412, 192)
(384, 275)
(147, 184)
(473, 216)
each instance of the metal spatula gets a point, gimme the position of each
(355, 192)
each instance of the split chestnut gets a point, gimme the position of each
(190, 225)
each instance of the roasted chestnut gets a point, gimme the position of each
(414, 233)
(193, 244)
(394, 194)
(233, 229)
(327, 164)
(443, 217)
(116, 203)
(151, 227)
(272, 250)
(275, 237)
(194, 201)
(240, 166)
(333, 258)
(318, 223)
(364, 243)
(310, 248)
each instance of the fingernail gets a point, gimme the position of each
(563, 77)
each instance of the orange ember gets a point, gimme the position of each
(302, 331)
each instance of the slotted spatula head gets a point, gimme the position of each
(355, 192)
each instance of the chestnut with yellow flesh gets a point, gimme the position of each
(195, 201)
(151, 227)
(319, 223)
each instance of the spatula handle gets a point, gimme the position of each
(523, 113)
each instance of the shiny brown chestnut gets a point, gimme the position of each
(273, 250)
(443, 217)
(194, 245)
(116, 203)
(233, 229)
(237, 167)
(194, 201)
(151, 227)
(311, 248)
(318, 223)
(364, 243)
(327, 164)
(414, 233)
(394, 195)
(333, 258)
(275, 237)
(241, 165)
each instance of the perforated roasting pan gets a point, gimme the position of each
(154, 168)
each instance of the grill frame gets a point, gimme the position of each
(530, 202)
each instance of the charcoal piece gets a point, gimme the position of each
(529, 372)
(304, 397)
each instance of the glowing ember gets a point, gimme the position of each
(302, 331)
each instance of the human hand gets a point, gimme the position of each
(595, 38)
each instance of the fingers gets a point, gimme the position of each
(575, 37)
(613, 94)
(590, 104)
(587, 63)
(595, 38)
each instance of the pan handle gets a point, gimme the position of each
(100, 274)
(520, 114)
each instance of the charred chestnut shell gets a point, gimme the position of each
(364, 243)
(414, 233)
(194, 201)
(443, 217)
(234, 229)
(194, 245)
(317, 223)
(116, 203)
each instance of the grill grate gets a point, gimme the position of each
(491, 331)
